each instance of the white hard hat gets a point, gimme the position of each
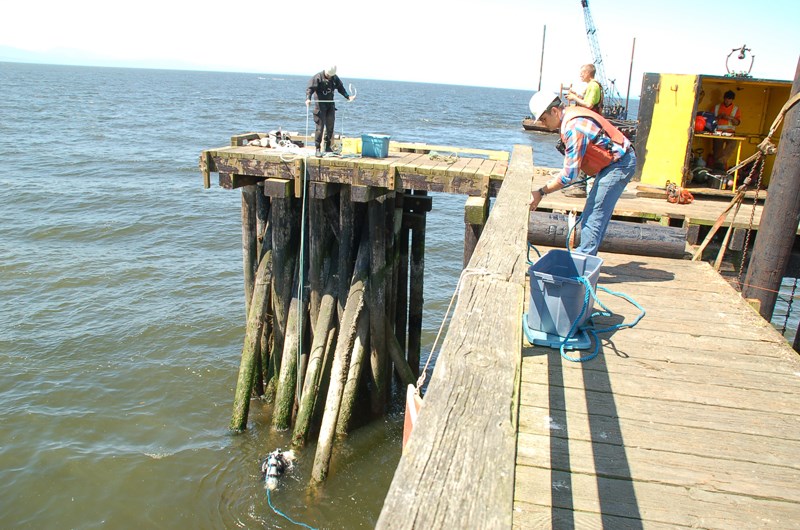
(541, 100)
(330, 71)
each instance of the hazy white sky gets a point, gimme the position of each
(469, 42)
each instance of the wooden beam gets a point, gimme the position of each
(368, 193)
(622, 237)
(417, 203)
(476, 210)
(458, 441)
(278, 188)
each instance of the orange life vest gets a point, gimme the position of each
(596, 158)
(723, 124)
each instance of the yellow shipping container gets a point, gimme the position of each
(667, 145)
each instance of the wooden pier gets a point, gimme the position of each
(689, 419)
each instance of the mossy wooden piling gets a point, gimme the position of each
(334, 260)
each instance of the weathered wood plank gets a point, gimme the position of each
(694, 507)
(696, 407)
(470, 403)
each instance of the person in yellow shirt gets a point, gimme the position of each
(592, 97)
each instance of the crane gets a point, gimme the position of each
(612, 100)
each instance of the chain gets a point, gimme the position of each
(760, 163)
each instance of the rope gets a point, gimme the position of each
(277, 511)
(447, 159)
(589, 328)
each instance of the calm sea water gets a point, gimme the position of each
(122, 314)
(122, 301)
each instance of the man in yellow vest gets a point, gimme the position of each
(592, 97)
(728, 117)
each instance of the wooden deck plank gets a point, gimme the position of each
(470, 402)
(666, 504)
(689, 419)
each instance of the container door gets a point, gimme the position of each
(666, 118)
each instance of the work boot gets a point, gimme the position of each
(578, 190)
(328, 148)
(317, 153)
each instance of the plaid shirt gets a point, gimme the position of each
(579, 132)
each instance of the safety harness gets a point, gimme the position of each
(596, 158)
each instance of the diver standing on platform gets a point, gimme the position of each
(323, 85)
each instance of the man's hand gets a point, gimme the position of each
(536, 198)
(351, 98)
(308, 102)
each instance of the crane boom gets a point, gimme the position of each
(612, 106)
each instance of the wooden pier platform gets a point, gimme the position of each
(689, 419)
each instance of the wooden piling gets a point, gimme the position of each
(350, 392)
(249, 241)
(476, 211)
(376, 299)
(773, 245)
(322, 328)
(285, 393)
(416, 290)
(344, 345)
(251, 348)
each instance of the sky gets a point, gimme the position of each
(493, 43)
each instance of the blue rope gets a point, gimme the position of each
(528, 254)
(589, 291)
(274, 509)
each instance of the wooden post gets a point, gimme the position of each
(318, 242)
(285, 395)
(350, 391)
(416, 290)
(776, 234)
(262, 221)
(249, 241)
(399, 360)
(401, 312)
(283, 217)
(324, 324)
(264, 244)
(341, 361)
(623, 237)
(346, 243)
(476, 211)
(251, 348)
(377, 303)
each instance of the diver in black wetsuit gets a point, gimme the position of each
(323, 84)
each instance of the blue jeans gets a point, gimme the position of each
(606, 191)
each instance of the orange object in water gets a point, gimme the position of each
(413, 404)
